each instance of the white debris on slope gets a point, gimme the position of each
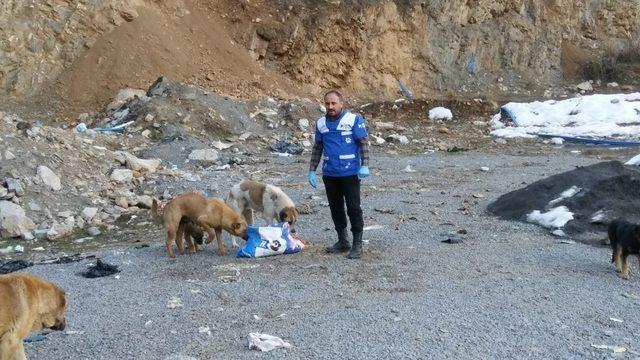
(600, 116)
(554, 218)
(440, 113)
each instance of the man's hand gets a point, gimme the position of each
(313, 180)
(363, 172)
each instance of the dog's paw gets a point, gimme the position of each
(625, 276)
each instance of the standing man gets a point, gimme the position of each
(341, 135)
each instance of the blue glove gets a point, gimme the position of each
(363, 172)
(313, 180)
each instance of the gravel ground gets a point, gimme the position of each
(510, 290)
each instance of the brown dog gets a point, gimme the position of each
(624, 238)
(27, 304)
(205, 213)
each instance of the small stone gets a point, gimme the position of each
(8, 155)
(122, 202)
(89, 212)
(93, 231)
(27, 235)
(14, 186)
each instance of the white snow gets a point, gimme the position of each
(600, 116)
(634, 160)
(565, 194)
(554, 218)
(440, 113)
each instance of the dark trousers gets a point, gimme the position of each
(341, 190)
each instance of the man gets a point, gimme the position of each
(341, 135)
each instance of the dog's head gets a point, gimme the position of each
(239, 228)
(289, 215)
(55, 318)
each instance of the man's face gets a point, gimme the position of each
(333, 104)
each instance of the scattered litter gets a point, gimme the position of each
(440, 113)
(631, 296)
(196, 291)
(73, 332)
(384, 210)
(408, 169)
(484, 168)
(264, 342)
(287, 147)
(39, 248)
(34, 338)
(575, 152)
(453, 240)
(204, 330)
(616, 320)
(282, 154)
(10, 266)
(373, 227)
(614, 348)
(568, 242)
(100, 269)
(257, 317)
(398, 138)
(174, 302)
(554, 218)
(148, 323)
(478, 196)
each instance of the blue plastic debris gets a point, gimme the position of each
(472, 66)
(405, 91)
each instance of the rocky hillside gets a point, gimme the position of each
(84, 51)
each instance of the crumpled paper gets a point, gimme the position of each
(265, 342)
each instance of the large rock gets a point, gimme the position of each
(49, 178)
(134, 163)
(204, 155)
(13, 220)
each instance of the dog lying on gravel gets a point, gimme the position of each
(205, 214)
(624, 238)
(27, 304)
(275, 206)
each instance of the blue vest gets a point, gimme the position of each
(339, 139)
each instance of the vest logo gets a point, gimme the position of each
(348, 140)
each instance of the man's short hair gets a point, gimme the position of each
(336, 93)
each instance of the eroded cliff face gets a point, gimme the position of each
(365, 47)
(39, 38)
(449, 44)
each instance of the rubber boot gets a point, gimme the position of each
(342, 245)
(356, 249)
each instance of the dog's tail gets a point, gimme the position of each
(155, 215)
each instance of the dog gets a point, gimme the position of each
(624, 238)
(27, 304)
(192, 233)
(204, 213)
(275, 206)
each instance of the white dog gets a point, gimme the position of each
(275, 206)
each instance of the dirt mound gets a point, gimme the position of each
(187, 43)
(606, 191)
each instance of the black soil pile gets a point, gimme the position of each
(609, 188)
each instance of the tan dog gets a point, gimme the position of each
(275, 206)
(27, 304)
(203, 212)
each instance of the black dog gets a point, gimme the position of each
(625, 240)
